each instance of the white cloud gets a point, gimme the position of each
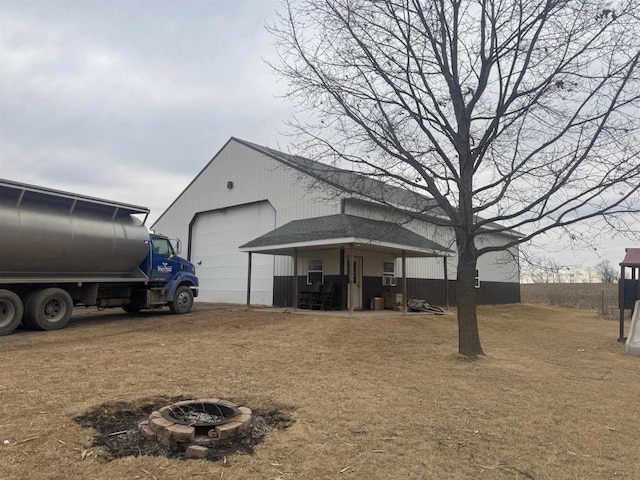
(91, 90)
(129, 100)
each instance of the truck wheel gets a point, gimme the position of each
(49, 309)
(10, 311)
(183, 300)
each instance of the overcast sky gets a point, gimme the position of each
(128, 100)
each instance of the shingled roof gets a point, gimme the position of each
(369, 188)
(352, 182)
(631, 258)
(343, 229)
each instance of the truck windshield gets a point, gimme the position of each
(161, 246)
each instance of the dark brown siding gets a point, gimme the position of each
(431, 290)
(282, 291)
(283, 294)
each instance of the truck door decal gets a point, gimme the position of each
(165, 268)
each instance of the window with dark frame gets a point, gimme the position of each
(315, 273)
(389, 274)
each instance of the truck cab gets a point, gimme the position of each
(170, 277)
(63, 249)
(165, 262)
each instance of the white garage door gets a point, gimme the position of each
(216, 237)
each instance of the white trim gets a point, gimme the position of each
(339, 241)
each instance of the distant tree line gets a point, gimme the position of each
(547, 270)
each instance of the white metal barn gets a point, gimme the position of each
(252, 210)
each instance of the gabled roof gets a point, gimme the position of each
(412, 203)
(351, 182)
(631, 258)
(334, 231)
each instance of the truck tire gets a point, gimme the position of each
(25, 302)
(49, 309)
(183, 300)
(10, 311)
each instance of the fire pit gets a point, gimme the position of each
(196, 425)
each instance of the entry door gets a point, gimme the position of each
(355, 278)
(164, 263)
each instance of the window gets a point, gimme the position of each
(389, 274)
(161, 246)
(314, 271)
(477, 279)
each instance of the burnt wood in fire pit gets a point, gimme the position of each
(201, 414)
(203, 422)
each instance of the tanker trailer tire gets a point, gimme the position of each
(131, 309)
(10, 311)
(183, 300)
(26, 323)
(49, 309)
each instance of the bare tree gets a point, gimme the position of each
(520, 112)
(545, 270)
(606, 272)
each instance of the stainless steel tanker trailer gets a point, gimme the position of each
(60, 249)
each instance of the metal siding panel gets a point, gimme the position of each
(330, 262)
(255, 177)
(283, 266)
(432, 267)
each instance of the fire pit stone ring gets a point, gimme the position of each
(195, 425)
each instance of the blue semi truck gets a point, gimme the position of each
(60, 249)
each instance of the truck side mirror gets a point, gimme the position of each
(178, 246)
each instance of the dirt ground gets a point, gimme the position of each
(383, 397)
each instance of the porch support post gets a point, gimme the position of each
(404, 282)
(295, 279)
(249, 283)
(349, 285)
(446, 281)
(621, 301)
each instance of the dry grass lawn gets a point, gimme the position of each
(372, 398)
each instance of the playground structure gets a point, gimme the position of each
(633, 340)
(629, 298)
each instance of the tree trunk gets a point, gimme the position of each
(468, 335)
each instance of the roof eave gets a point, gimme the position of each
(350, 242)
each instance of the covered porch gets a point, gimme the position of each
(355, 256)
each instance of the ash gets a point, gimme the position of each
(197, 416)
